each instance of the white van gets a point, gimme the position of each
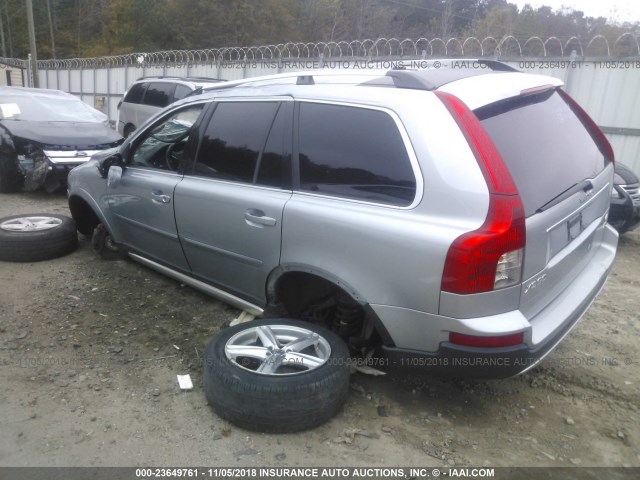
(148, 95)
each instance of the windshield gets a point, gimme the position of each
(48, 109)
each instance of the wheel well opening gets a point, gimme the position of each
(84, 216)
(311, 298)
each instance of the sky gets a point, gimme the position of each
(617, 10)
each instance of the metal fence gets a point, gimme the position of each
(627, 44)
(603, 76)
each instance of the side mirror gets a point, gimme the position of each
(105, 165)
(114, 176)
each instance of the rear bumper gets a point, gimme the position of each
(459, 361)
(541, 333)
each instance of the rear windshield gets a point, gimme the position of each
(544, 144)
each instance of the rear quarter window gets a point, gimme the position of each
(135, 93)
(355, 153)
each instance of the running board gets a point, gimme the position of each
(198, 285)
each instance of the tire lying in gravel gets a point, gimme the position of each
(276, 375)
(37, 236)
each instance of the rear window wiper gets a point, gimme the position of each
(583, 186)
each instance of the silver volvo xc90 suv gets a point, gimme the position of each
(453, 219)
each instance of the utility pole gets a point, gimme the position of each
(4, 48)
(32, 43)
(53, 40)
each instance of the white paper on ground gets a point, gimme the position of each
(185, 382)
(243, 318)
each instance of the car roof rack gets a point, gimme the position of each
(186, 79)
(441, 72)
(436, 74)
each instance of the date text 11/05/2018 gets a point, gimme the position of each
(312, 472)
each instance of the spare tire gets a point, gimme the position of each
(276, 375)
(33, 237)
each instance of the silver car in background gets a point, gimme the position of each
(455, 219)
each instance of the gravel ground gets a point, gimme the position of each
(90, 350)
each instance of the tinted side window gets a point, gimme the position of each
(274, 168)
(233, 140)
(181, 92)
(158, 94)
(135, 93)
(354, 152)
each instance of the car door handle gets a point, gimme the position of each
(257, 218)
(158, 197)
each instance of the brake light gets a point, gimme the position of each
(490, 257)
(486, 342)
(601, 140)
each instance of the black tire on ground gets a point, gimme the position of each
(10, 178)
(36, 236)
(277, 403)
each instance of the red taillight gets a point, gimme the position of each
(486, 342)
(491, 256)
(601, 140)
(472, 260)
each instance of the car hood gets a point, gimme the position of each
(624, 175)
(56, 135)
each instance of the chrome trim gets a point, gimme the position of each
(198, 285)
(69, 156)
(239, 99)
(191, 176)
(582, 207)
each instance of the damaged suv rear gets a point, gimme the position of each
(44, 134)
(454, 219)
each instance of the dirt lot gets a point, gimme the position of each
(90, 350)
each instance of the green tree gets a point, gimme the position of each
(107, 27)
